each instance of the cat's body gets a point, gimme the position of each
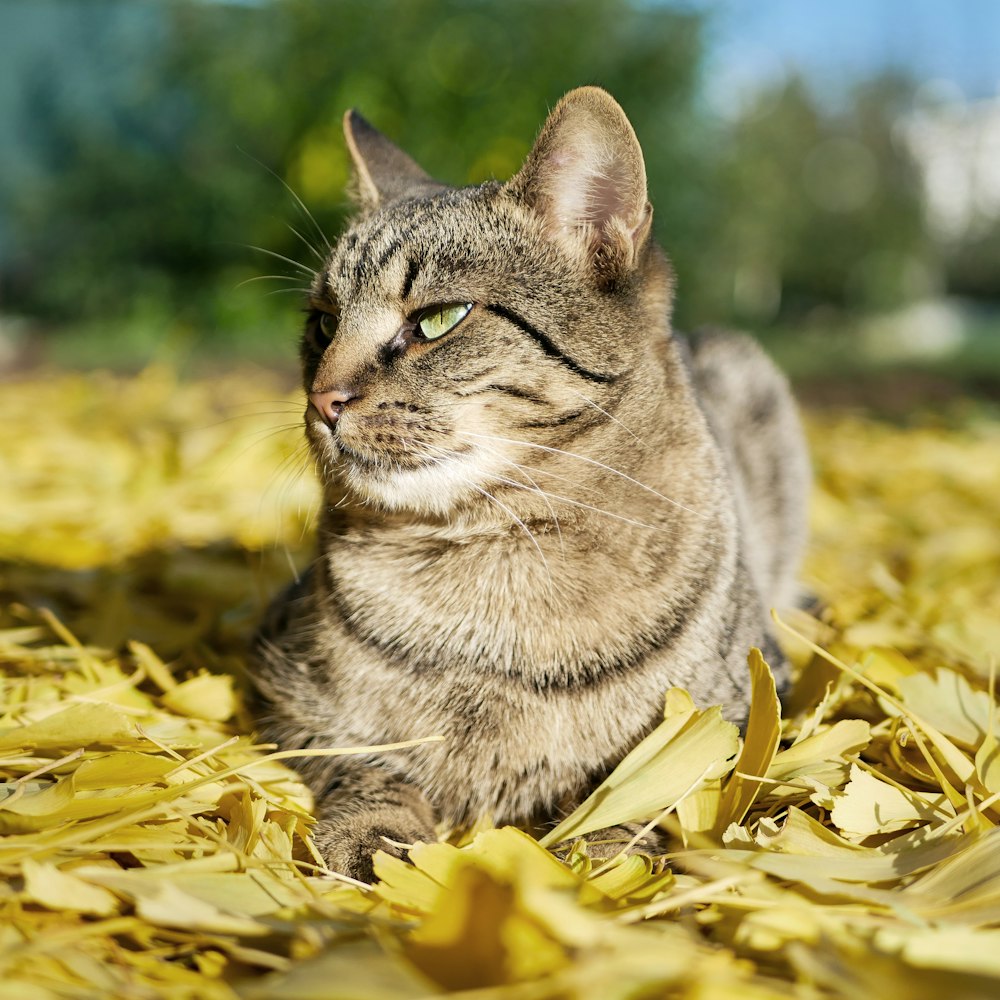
(536, 521)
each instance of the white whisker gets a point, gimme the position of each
(534, 487)
(581, 458)
(288, 260)
(443, 454)
(298, 201)
(275, 277)
(309, 245)
(610, 416)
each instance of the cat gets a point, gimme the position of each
(542, 508)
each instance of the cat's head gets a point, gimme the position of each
(459, 337)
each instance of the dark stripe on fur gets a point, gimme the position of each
(473, 376)
(413, 268)
(546, 344)
(559, 421)
(390, 251)
(660, 634)
(507, 390)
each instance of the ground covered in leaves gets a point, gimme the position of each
(848, 847)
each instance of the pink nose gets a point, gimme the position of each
(331, 403)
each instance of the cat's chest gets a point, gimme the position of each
(515, 607)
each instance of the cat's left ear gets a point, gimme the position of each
(585, 175)
(382, 171)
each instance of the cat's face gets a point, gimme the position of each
(458, 338)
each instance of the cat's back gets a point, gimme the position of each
(754, 417)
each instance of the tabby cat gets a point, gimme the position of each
(542, 508)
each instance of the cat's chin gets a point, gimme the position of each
(436, 488)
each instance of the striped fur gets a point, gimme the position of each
(534, 525)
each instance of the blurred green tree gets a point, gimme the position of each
(826, 206)
(154, 208)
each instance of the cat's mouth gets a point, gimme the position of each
(373, 450)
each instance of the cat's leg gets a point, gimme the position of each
(361, 805)
(361, 802)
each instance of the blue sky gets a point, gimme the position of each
(833, 41)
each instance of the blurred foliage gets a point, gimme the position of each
(136, 223)
(827, 204)
(159, 209)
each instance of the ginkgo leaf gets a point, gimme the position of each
(74, 726)
(58, 890)
(681, 752)
(823, 753)
(759, 745)
(205, 696)
(868, 806)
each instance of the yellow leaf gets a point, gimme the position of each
(988, 764)
(406, 886)
(760, 742)
(964, 886)
(949, 703)
(207, 696)
(163, 903)
(507, 853)
(699, 811)
(962, 949)
(885, 666)
(114, 770)
(510, 852)
(775, 928)
(91, 725)
(155, 668)
(816, 753)
(803, 850)
(682, 751)
(354, 969)
(59, 890)
(483, 937)
(868, 806)
(631, 878)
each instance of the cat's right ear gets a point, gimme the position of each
(586, 178)
(382, 171)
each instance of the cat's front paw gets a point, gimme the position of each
(630, 838)
(348, 846)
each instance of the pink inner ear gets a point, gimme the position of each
(609, 195)
(590, 184)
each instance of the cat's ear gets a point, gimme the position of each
(586, 177)
(382, 171)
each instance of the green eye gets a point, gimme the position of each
(438, 320)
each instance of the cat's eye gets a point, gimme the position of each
(320, 329)
(438, 320)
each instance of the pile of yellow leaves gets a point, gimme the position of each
(849, 848)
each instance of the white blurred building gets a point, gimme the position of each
(957, 147)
